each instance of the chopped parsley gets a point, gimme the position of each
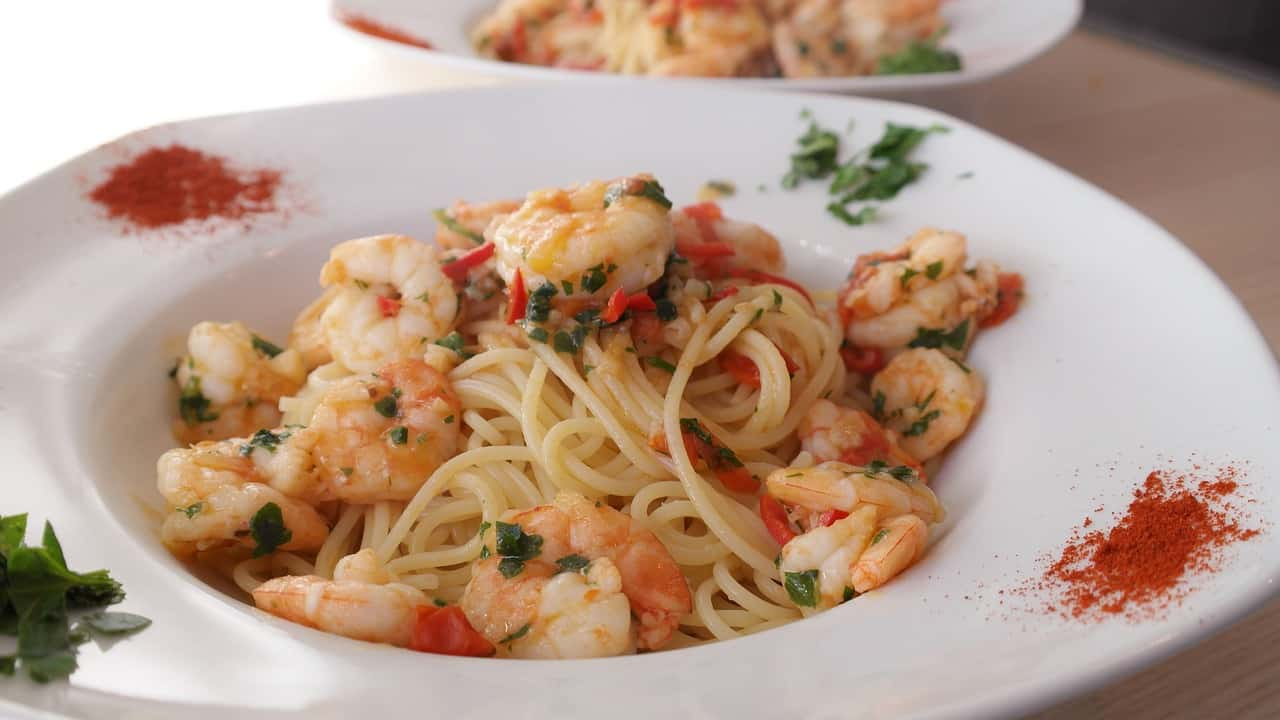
(192, 510)
(862, 217)
(802, 587)
(538, 335)
(515, 547)
(650, 189)
(815, 158)
(538, 308)
(387, 407)
(661, 364)
(902, 473)
(594, 279)
(907, 274)
(361, 284)
(448, 420)
(569, 342)
(454, 342)
(193, 406)
(919, 57)
(573, 563)
(877, 405)
(960, 365)
(666, 310)
(879, 535)
(447, 220)
(483, 527)
(568, 286)
(922, 404)
(722, 187)
(933, 270)
(399, 435)
(266, 347)
(438, 602)
(921, 425)
(268, 530)
(777, 300)
(875, 467)
(939, 337)
(266, 440)
(849, 594)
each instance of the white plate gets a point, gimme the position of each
(992, 37)
(1128, 352)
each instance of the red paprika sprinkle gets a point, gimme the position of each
(1175, 526)
(171, 185)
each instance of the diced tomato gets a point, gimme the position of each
(458, 269)
(862, 360)
(1008, 296)
(519, 41)
(705, 251)
(445, 631)
(703, 211)
(830, 516)
(737, 479)
(616, 306)
(745, 371)
(518, 299)
(641, 302)
(389, 307)
(775, 519)
(763, 277)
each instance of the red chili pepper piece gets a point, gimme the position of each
(458, 269)
(830, 516)
(641, 302)
(519, 298)
(388, 306)
(1008, 296)
(445, 631)
(775, 519)
(616, 306)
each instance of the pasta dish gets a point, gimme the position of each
(582, 424)
(720, 38)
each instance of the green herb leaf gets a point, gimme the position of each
(192, 510)
(939, 337)
(511, 541)
(919, 57)
(538, 335)
(266, 440)
(877, 405)
(568, 286)
(454, 342)
(849, 594)
(569, 342)
(116, 623)
(666, 310)
(933, 270)
(524, 630)
(650, 189)
(448, 221)
(802, 587)
(193, 406)
(655, 361)
(438, 602)
(879, 535)
(510, 567)
(921, 425)
(902, 473)
(875, 467)
(573, 563)
(815, 158)
(594, 279)
(862, 217)
(399, 435)
(907, 274)
(387, 406)
(723, 187)
(538, 309)
(268, 530)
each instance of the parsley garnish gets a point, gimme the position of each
(907, 274)
(568, 286)
(862, 217)
(538, 335)
(266, 347)
(454, 342)
(802, 587)
(569, 342)
(879, 535)
(266, 440)
(439, 602)
(902, 473)
(448, 221)
(361, 284)
(538, 308)
(661, 364)
(524, 630)
(594, 279)
(387, 407)
(877, 405)
(666, 310)
(192, 510)
(448, 420)
(650, 189)
(485, 525)
(875, 467)
(515, 547)
(777, 300)
(920, 426)
(573, 563)
(938, 337)
(849, 594)
(193, 406)
(268, 531)
(399, 434)
(919, 57)
(815, 158)
(933, 270)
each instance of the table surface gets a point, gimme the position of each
(1192, 148)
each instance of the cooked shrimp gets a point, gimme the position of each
(831, 432)
(837, 486)
(363, 566)
(378, 437)
(810, 42)
(876, 28)
(572, 239)
(214, 491)
(833, 550)
(230, 382)
(929, 399)
(358, 610)
(463, 225)
(308, 336)
(575, 533)
(393, 297)
(754, 247)
(898, 543)
(713, 40)
(918, 290)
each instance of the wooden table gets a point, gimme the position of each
(1192, 148)
(1197, 151)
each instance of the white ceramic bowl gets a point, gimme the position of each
(1127, 354)
(992, 37)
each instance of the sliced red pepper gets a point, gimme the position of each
(862, 360)
(705, 251)
(518, 299)
(764, 277)
(445, 631)
(458, 269)
(708, 211)
(1008, 296)
(616, 306)
(830, 516)
(389, 307)
(775, 520)
(641, 302)
(735, 478)
(724, 292)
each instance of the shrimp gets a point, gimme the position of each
(463, 225)
(809, 42)
(714, 40)
(839, 486)
(393, 297)
(576, 240)
(380, 436)
(919, 291)
(876, 28)
(535, 612)
(831, 432)
(380, 613)
(307, 335)
(230, 382)
(866, 525)
(214, 491)
(929, 399)
(754, 248)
